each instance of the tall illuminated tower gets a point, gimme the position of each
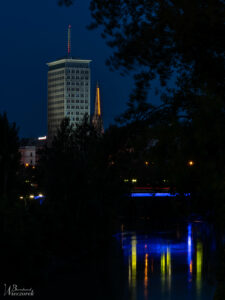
(68, 90)
(97, 117)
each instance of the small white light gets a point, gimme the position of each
(42, 138)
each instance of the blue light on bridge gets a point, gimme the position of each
(157, 194)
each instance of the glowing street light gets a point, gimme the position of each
(190, 163)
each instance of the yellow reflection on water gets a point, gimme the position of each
(132, 268)
(166, 272)
(163, 263)
(163, 269)
(199, 260)
(146, 271)
(134, 260)
(146, 277)
(168, 267)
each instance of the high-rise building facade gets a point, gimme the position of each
(68, 92)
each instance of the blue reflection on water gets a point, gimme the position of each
(189, 253)
(153, 246)
(158, 264)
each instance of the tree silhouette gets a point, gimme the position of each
(9, 159)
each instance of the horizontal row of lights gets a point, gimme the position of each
(33, 197)
(133, 180)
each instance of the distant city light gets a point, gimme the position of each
(191, 163)
(26, 165)
(146, 163)
(42, 138)
(31, 197)
(21, 197)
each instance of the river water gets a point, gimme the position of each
(176, 264)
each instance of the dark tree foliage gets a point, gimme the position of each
(182, 41)
(9, 158)
(159, 37)
(75, 176)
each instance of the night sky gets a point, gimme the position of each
(34, 33)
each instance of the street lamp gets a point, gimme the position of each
(191, 163)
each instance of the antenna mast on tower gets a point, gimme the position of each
(69, 41)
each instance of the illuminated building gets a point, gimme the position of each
(97, 117)
(68, 90)
(28, 155)
(29, 148)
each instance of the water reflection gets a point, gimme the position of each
(168, 267)
(132, 268)
(159, 263)
(146, 277)
(189, 253)
(134, 261)
(199, 259)
(163, 270)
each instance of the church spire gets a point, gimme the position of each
(97, 117)
(97, 101)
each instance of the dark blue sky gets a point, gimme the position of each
(34, 33)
